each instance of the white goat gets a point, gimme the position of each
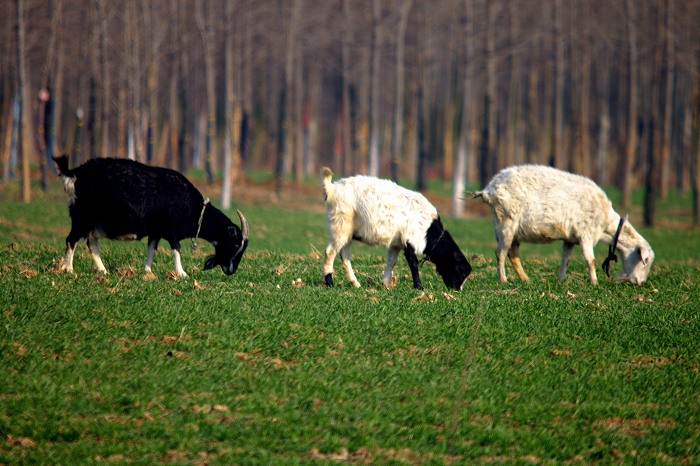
(380, 212)
(539, 204)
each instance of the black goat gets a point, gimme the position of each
(125, 200)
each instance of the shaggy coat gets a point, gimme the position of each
(380, 213)
(126, 200)
(539, 204)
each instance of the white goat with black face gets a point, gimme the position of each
(539, 204)
(380, 212)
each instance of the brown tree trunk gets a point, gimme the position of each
(397, 135)
(460, 175)
(231, 109)
(375, 70)
(23, 85)
(298, 104)
(632, 76)
(205, 26)
(347, 165)
(669, 70)
(585, 93)
(107, 86)
(58, 80)
(695, 157)
(558, 155)
(487, 163)
(652, 176)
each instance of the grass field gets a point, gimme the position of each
(269, 367)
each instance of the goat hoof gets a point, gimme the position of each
(328, 279)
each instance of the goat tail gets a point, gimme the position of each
(478, 194)
(326, 182)
(62, 164)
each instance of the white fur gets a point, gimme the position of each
(69, 188)
(539, 204)
(377, 211)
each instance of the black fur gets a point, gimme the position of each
(122, 197)
(410, 253)
(442, 251)
(328, 279)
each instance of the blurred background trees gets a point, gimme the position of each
(413, 90)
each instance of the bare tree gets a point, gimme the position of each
(669, 74)
(584, 70)
(24, 86)
(695, 156)
(632, 78)
(286, 102)
(232, 112)
(375, 72)
(205, 27)
(463, 147)
(298, 101)
(347, 162)
(558, 155)
(397, 135)
(487, 163)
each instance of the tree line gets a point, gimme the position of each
(409, 89)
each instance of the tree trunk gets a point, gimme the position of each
(300, 128)
(669, 71)
(459, 176)
(487, 163)
(375, 49)
(585, 94)
(230, 109)
(695, 157)
(153, 81)
(286, 119)
(311, 119)
(421, 142)
(652, 178)
(204, 26)
(632, 75)
(397, 136)
(347, 163)
(601, 166)
(448, 120)
(106, 107)
(512, 109)
(24, 86)
(133, 64)
(558, 156)
(56, 130)
(46, 100)
(248, 94)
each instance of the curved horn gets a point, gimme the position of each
(244, 244)
(244, 225)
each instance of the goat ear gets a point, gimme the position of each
(210, 263)
(644, 254)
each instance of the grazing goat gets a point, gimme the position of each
(379, 212)
(126, 200)
(538, 204)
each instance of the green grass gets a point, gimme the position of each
(261, 368)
